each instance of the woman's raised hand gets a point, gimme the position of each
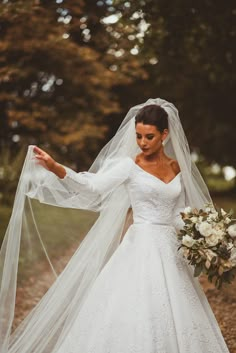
(49, 163)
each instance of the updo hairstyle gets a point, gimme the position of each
(153, 115)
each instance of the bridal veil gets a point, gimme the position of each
(101, 192)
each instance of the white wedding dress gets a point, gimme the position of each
(146, 300)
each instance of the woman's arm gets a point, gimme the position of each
(101, 183)
(49, 163)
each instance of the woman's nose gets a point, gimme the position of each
(143, 142)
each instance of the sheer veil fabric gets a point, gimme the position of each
(100, 190)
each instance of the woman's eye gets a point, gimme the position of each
(138, 137)
(150, 137)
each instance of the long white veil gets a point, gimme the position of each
(101, 191)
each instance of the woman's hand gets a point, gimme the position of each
(49, 163)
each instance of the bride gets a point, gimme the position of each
(136, 294)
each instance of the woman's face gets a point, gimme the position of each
(149, 138)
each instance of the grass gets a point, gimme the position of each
(59, 228)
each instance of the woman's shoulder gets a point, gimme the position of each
(174, 165)
(138, 159)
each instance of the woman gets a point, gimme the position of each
(138, 295)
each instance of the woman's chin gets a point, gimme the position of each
(146, 152)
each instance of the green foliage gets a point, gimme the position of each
(67, 76)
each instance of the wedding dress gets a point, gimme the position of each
(137, 295)
(146, 300)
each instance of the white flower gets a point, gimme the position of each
(212, 217)
(187, 209)
(188, 241)
(210, 209)
(218, 230)
(232, 230)
(212, 240)
(205, 229)
(219, 233)
(198, 222)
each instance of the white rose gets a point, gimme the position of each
(232, 230)
(187, 210)
(198, 223)
(218, 231)
(212, 240)
(205, 229)
(188, 241)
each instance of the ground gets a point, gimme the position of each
(223, 303)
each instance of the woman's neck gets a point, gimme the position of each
(157, 157)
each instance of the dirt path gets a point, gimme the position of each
(223, 302)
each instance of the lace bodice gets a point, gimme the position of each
(152, 200)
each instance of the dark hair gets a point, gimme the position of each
(153, 115)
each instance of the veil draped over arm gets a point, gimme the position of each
(101, 190)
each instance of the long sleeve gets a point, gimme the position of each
(84, 190)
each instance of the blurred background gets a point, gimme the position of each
(69, 72)
(71, 69)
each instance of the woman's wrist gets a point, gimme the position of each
(59, 170)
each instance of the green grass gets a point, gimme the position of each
(60, 229)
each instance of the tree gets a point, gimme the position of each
(188, 53)
(55, 77)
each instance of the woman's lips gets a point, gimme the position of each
(145, 149)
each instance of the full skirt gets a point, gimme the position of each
(145, 300)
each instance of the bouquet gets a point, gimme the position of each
(208, 242)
